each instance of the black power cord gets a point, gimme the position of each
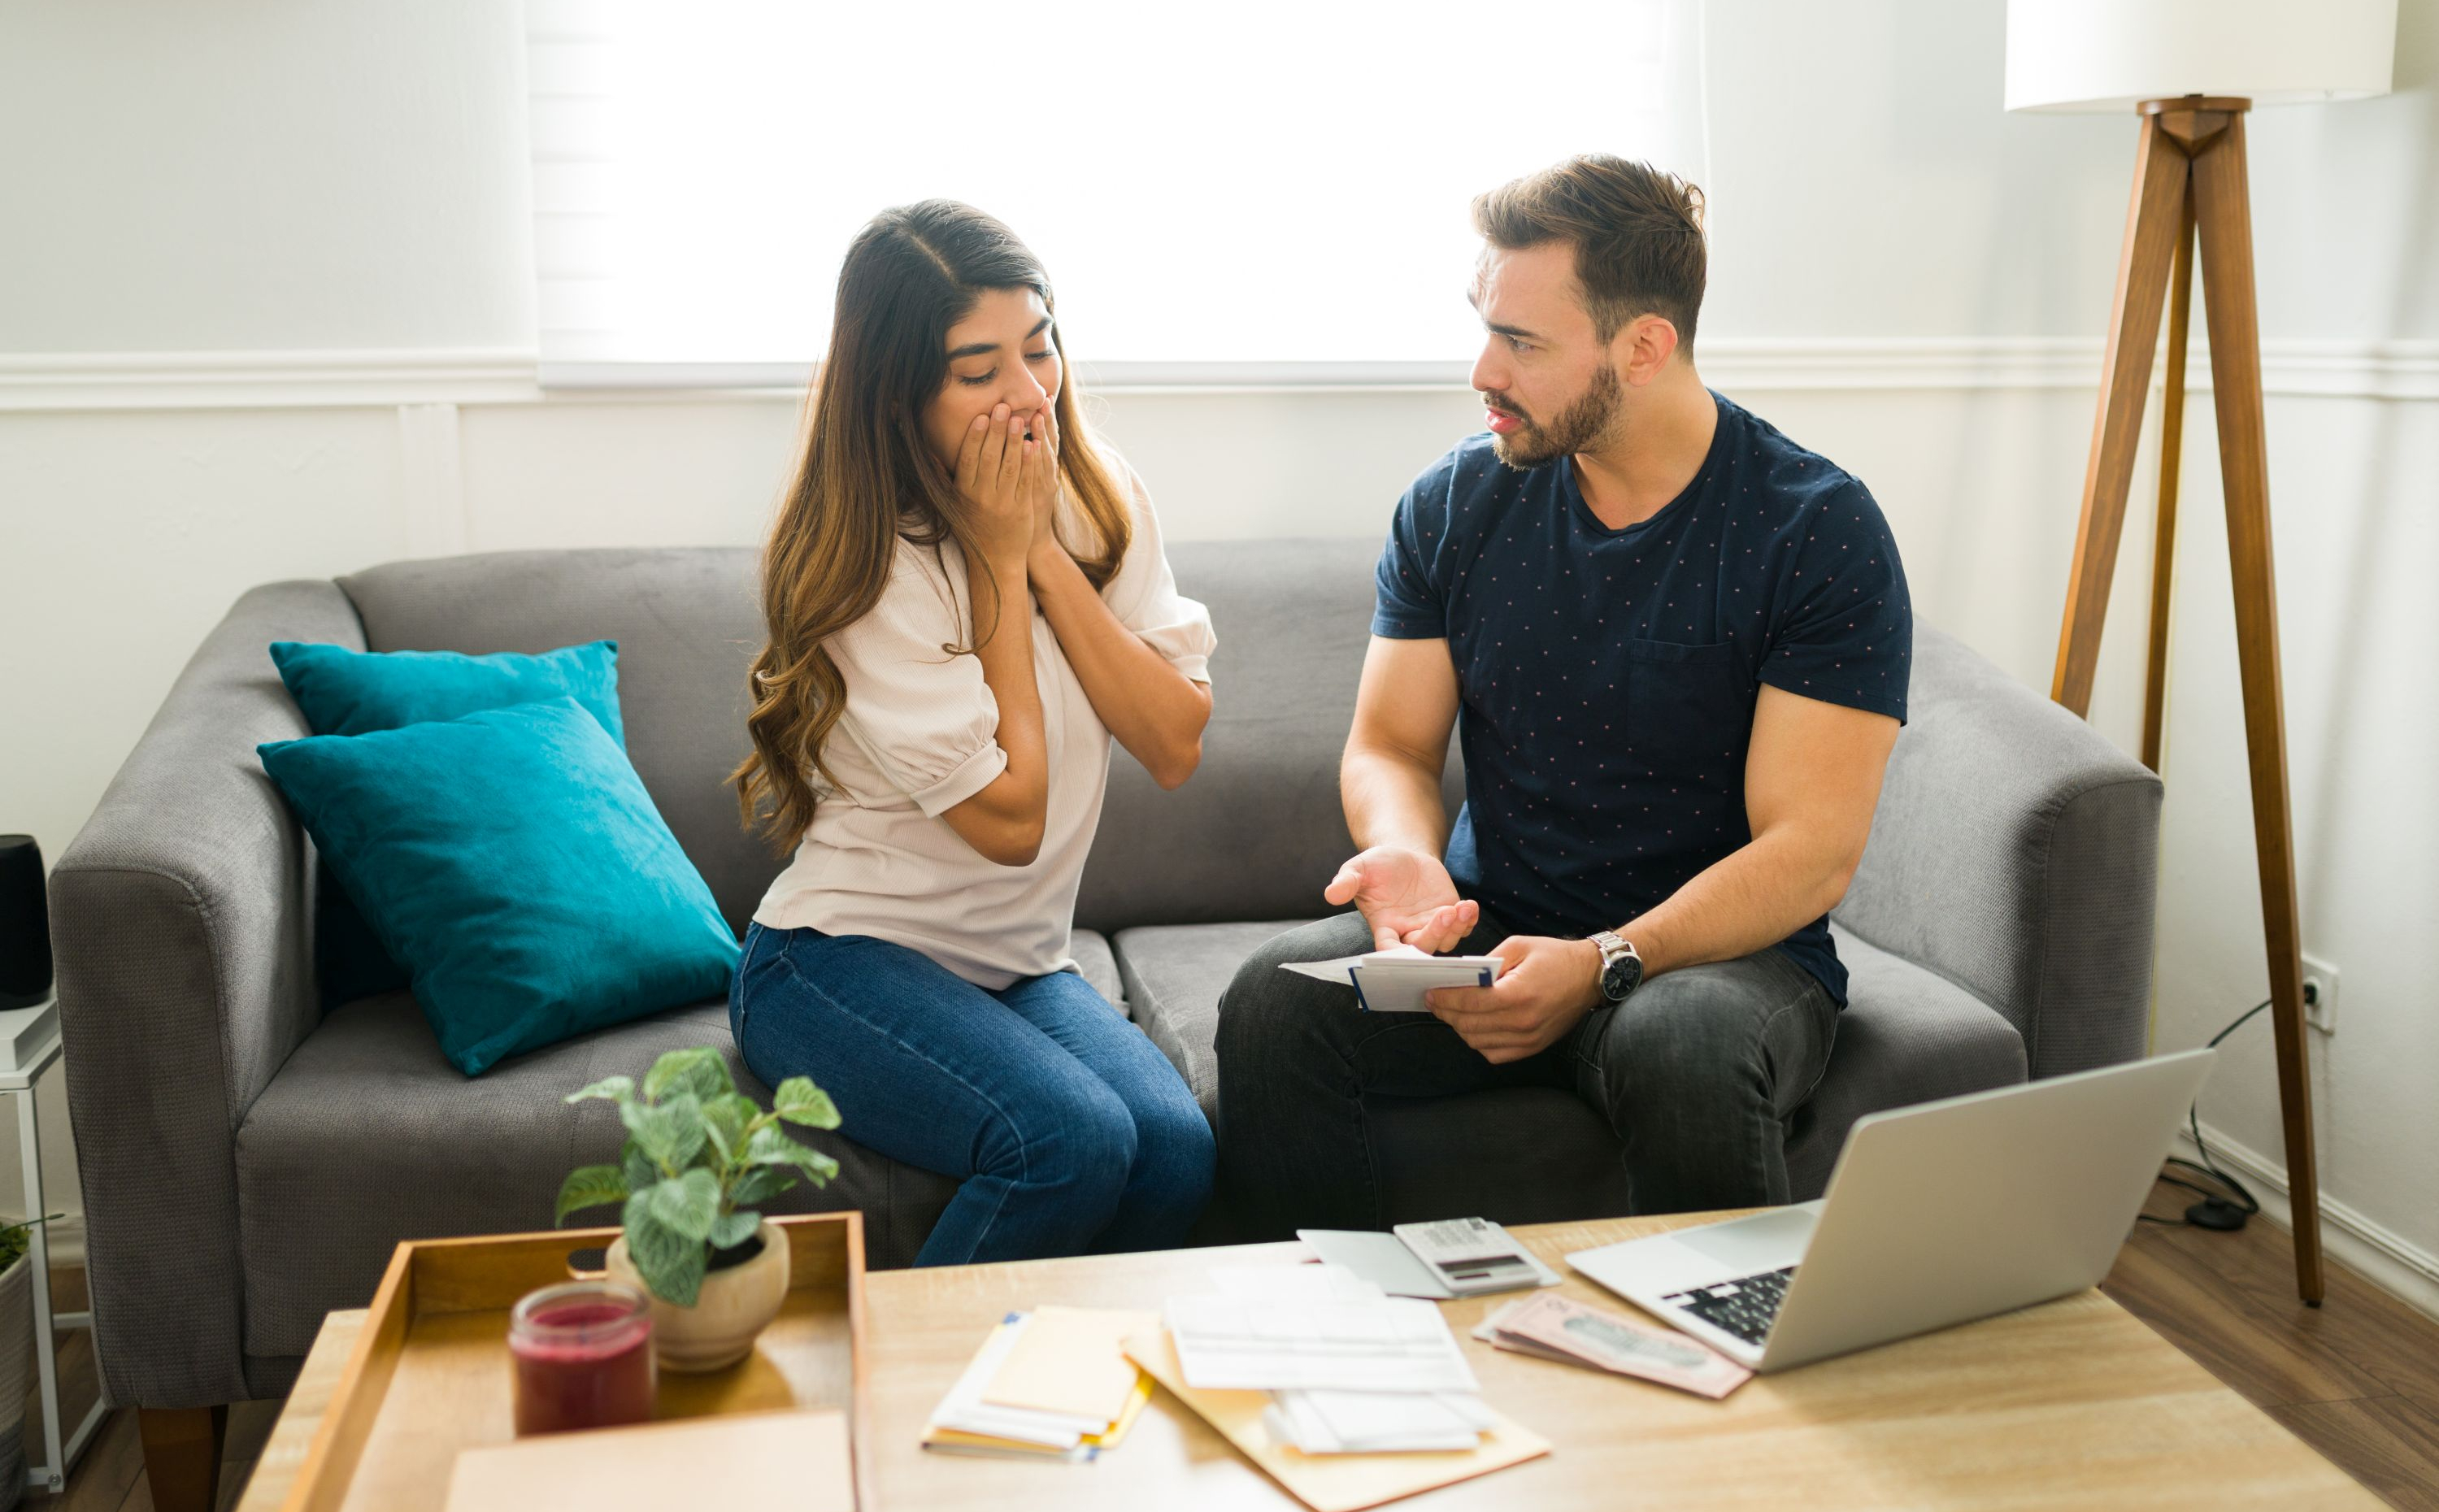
(2224, 1210)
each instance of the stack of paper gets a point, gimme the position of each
(1349, 1370)
(1332, 1482)
(1555, 1329)
(1376, 1422)
(1054, 1384)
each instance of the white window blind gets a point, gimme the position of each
(1262, 192)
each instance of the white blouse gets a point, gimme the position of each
(920, 736)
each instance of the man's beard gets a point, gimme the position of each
(1581, 423)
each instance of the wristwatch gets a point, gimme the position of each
(1621, 968)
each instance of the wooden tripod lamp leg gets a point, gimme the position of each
(2222, 212)
(2153, 223)
(2164, 531)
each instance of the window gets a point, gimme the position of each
(1264, 191)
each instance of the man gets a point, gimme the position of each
(1675, 646)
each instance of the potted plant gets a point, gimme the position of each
(698, 1157)
(16, 1353)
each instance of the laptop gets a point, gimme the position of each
(1936, 1215)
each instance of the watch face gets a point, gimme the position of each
(1620, 977)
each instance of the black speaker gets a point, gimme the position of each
(25, 924)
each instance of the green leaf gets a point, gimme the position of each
(726, 1118)
(616, 1089)
(689, 1204)
(733, 1229)
(589, 1186)
(637, 1166)
(699, 1070)
(672, 1134)
(670, 1264)
(759, 1185)
(799, 1101)
(771, 1147)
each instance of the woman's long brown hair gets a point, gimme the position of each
(868, 476)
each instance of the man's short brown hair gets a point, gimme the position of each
(1637, 234)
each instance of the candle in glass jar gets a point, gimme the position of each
(582, 1353)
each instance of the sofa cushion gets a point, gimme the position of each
(1260, 829)
(366, 1136)
(1908, 1036)
(1174, 975)
(1099, 966)
(687, 622)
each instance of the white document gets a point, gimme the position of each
(964, 1408)
(1238, 1343)
(1394, 980)
(1292, 1283)
(1366, 1422)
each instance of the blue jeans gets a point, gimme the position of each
(1070, 1132)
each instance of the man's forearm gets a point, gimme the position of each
(1746, 901)
(1392, 799)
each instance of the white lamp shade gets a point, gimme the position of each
(2096, 55)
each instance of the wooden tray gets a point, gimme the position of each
(429, 1376)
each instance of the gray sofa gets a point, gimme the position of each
(249, 1161)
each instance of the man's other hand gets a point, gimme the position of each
(1546, 986)
(1406, 896)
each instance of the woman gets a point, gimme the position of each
(966, 601)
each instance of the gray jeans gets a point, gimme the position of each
(1697, 1072)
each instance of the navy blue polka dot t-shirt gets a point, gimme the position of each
(1607, 678)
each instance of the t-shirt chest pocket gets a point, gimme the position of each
(1688, 708)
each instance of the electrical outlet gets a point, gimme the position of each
(2320, 995)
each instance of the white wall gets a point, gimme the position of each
(263, 174)
(1903, 276)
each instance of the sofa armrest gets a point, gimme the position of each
(2016, 853)
(181, 923)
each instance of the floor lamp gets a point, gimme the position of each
(2192, 70)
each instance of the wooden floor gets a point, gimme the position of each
(2357, 1378)
(110, 1477)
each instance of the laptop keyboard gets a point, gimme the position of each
(1745, 1306)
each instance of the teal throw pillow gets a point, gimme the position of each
(349, 692)
(342, 691)
(513, 863)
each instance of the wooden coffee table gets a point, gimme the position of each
(2070, 1404)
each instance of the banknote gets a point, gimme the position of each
(1488, 1330)
(1553, 1326)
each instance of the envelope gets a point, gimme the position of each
(1331, 1483)
(1071, 1360)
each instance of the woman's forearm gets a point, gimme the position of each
(1005, 820)
(1152, 708)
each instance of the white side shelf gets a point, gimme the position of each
(29, 1042)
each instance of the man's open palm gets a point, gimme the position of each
(1406, 896)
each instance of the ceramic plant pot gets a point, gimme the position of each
(737, 1303)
